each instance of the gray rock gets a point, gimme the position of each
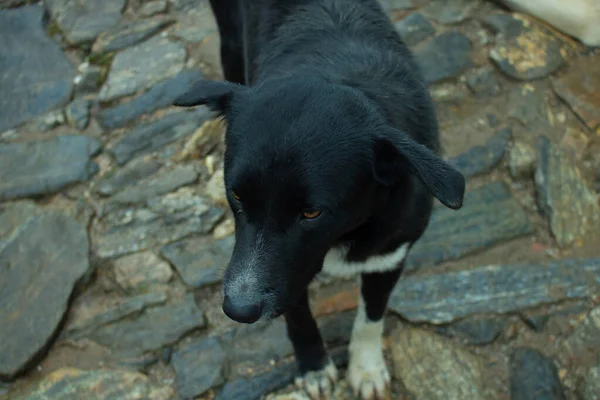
(78, 113)
(154, 328)
(490, 215)
(140, 270)
(82, 21)
(414, 29)
(152, 8)
(591, 384)
(199, 261)
(88, 80)
(493, 289)
(133, 230)
(524, 50)
(139, 67)
(445, 56)
(35, 76)
(159, 96)
(483, 82)
(199, 366)
(585, 338)
(254, 387)
(43, 254)
(36, 168)
(537, 319)
(563, 196)
(71, 383)
(432, 367)
(128, 307)
(482, 159)
(451, 11)
(151, 136)
(129, 34)
(156, 185)
(533, 376)
(521, 161)
(392, 5)
(475, 331)
(127, 176)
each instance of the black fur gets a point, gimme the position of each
(332, 114)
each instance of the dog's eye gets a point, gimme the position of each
(311, 214)
(235, 196)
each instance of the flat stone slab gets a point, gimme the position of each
(494, 289)
(482, 159)
(139, 67)
(252, 388)
(154, 328)
(445, 56)
(141, 270)
(152, 136)
(37, 168)
(159, 96)
(579, 88)
(43, 254)
(199, 366)
(122, 384)
(570, 205)
(129, 175)
(81, 21)
(533, 376)
(451, 12)
(200, 260)
(433, 367)
(129, 34)
(489, 216)
(524, 50)
(35, 75)
(414, 29)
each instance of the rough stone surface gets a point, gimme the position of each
(161, 183)
(579, 88)
(140, 270)
(476, 331)
(35, 76)
(166, 219)
(129, 34)
(88, 79)
(36, 168)
(414, 29)
(591, 384)
(490, 215)
(159, 96)
(127, 176)
(199, 366)
(392, 5)
(533, 376)
(451, 11)
(434, 368)
(521, 161)
(251, 388)
(82, 21)
(43, 254)
(141, 66)
(199, 261)
(71, 383)
(155, 328)
(484, 82)
(151, 136)
(78, 113)
(445, 56)
(585, 339)
(524, 49)
(493, 289)
(152, 8)
(563, 195)
(481, 159)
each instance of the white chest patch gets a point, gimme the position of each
(335, 262)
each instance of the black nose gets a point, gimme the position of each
(242, 310)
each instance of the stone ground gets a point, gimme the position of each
(114, 228)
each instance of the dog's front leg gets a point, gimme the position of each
(367, 372)
(317, 373)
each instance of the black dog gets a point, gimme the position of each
(332, 162)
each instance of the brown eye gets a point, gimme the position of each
(311, 214)
(235, 196)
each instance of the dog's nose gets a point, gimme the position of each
(242, 310)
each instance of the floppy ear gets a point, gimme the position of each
(217, 95)
(396, 154)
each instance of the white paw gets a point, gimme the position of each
(319, 384)
(368, 375)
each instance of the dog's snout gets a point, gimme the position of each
(242, 309)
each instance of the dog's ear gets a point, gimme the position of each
(217, 95)
(396, 154)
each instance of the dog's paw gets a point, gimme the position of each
(368, 375)
(319, 384)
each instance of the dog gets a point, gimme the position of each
(332, 162)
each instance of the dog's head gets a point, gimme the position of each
(305, 163)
